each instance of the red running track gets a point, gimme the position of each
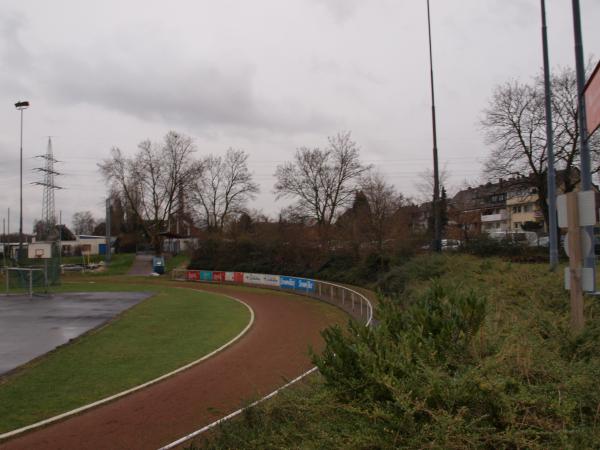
(273, 350)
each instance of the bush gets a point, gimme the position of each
(485, 246)
(384, 365)
(420, 268)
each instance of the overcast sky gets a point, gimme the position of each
(266, 76)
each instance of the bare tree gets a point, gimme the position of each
(83, 222)
(514, 124)
(222, 188)
(323, 181)
(149, 182)
(383, 202)
(425, 183)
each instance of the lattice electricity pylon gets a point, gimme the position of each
(48, 212)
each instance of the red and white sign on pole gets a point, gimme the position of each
(592, 101)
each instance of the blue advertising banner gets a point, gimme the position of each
(206, 275)
(302, 284)
(287, 282)
(298, 284)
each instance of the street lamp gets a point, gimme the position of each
(21, 106)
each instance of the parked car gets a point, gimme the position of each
(451, 244)
(447, 244)
(158, 265)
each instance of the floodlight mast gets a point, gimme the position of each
(437, 220)
(551, 176)
(21, 106)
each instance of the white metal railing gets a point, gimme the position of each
(351, 301)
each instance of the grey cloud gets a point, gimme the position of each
(172, 91)
(341, 10)
(13, 53)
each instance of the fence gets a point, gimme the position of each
(351, 301)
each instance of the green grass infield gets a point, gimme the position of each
(172, 328)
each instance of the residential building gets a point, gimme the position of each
(524, 210)
(508, 205)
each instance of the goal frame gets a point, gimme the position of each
(30, 271)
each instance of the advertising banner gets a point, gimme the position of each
(253, 278)
(218, 276)
(271, 280)
(229, 276)
(302, 284)
(206, 275)
(287, 282)
(193, 275)
(238, 277)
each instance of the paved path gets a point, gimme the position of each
(274, 350)
(30, 327)
(142, 265)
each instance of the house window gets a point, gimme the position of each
(517, 225)
(527, 208)
(516, 209)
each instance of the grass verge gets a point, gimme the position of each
(177, 262)
(160, 334)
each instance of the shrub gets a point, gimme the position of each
(420, 268)
(374, 363)
(485, 246)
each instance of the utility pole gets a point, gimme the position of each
(437, 222)
(551, 175)
(107, 223)
(4, 241)
(60, 229)
(589, 260)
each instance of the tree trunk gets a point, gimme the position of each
(542, 187)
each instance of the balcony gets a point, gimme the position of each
(501, 216)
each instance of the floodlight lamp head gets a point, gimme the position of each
(22, 105)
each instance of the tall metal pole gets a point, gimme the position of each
(60, 228)
(586, 175)
(4, 242)
(21, 105)
(107, 223)
(551, 176)
(21, 193)
(437, 223)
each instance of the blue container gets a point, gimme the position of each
(158, 264)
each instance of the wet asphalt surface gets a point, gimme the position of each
(30, 327)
